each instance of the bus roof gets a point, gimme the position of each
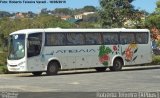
(28, 31)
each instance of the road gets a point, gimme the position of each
(130, 79)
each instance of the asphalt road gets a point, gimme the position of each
(130, 79)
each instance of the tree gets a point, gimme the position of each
(62, 11)
(8, 25)
(86, 25)
(4, 14)
(115, 12)
(31, 14)
(44, 11)
(158, 7)
(153, 21)
(89, 9)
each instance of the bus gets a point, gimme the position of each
(53, 49)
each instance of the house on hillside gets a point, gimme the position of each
(19, 15)
(80, 16)
(88, 13)
(77, 18)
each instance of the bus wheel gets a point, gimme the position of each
(101, 69)
(37, 73)
(52, 68)
(117, 65)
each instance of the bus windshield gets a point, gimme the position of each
(16, 46)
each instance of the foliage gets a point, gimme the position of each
(158, 43)
(158, 7)
(62, 11)
(4, 14)
(156, 60)
(68, 11)
(48, 21)
(8, 25)
(86, 25)
(89, 9)
(115, 12)
(3, 69)
(3, 58)
(153, 21)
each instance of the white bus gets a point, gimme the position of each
(54, 49)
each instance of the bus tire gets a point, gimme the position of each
(101, 69)
(37, 73)
(52, 68)
(117, 65)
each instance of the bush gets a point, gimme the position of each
(156, 60)
(3, 69)
(3, 58)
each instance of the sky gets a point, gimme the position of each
(148, 5)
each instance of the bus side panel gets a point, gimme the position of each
(88, 57)
(134, 54)
(71, 57)
(35, 63)
(55, 52)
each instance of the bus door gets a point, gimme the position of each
(34, 46)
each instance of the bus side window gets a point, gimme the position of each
(75, 39)
(54, 39)
(142, 38)
(93, 38)
(127, 38)
(110, 38)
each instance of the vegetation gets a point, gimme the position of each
(3, 58)
(114, 13)
(89, 9)
(156, 60)
(3, 70)
(4, 14)
(153, 21)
